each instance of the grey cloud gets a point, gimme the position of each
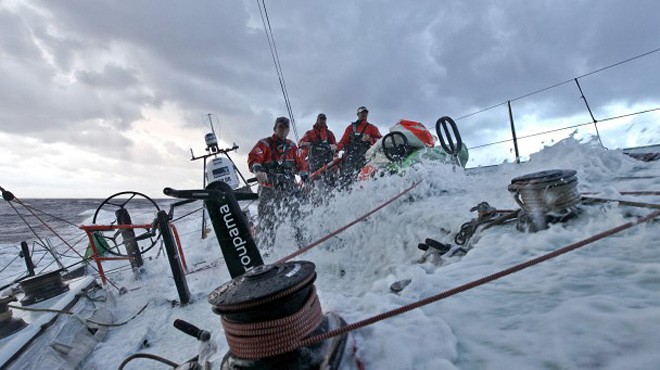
(416, 60)
(16, 41)
(112, 77)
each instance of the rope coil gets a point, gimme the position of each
(547, 197)
(545, 193)
(258, 340)
(475, 283)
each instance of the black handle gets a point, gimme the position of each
(170, 192)
(448, 146)
(207, 194)
(192, 330)
(440, 247)
(194, 194)
(245, 196)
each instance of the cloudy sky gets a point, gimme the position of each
(99, 97)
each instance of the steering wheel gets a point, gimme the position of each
(395, 146)
(119, 202)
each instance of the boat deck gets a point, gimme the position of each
(13, 346)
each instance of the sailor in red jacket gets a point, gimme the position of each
(275, 161)
(358, 137)
(318, 144)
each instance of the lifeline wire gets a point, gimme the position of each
(72, 241)
(567, 127)
(564, 82)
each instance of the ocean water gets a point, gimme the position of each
(55, 224)
(595, 308)
(66, 212)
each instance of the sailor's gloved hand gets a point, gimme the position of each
(261, 176)
(366, 137)
(333, 147)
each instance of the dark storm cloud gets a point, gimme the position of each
(181, 49)
(38, 96)
(164, 62)
(428, 59)
(111, 77)
(416, 60)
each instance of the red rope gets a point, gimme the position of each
(59, 237)
(270, 338)
(622, 202)
(361, 218)
(626, 192)
(316, 173)
(475, 283)
(50, 228)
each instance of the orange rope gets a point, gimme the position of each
(274, 337)
(448, 293)
(361, 218)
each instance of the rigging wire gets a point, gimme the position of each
(73, 241)
(571, 80)
(26, 223)
(61, 255)
(32, 229)
(48, 214)
(9, 264)
(56, 234)
(567, 127)
(187, 214)
(276, 60)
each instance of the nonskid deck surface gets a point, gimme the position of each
(15, 349)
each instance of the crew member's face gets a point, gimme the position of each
(321, 121)
(363, 115)
(282, 130)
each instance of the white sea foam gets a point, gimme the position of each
(594, 308)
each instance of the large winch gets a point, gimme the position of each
(41, 287)
(266, 313)
(9, 324)
(545, 197)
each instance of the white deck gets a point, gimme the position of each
(17, 342)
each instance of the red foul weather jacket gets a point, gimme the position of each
(273, 154)
(362, 127)
(317, 134)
